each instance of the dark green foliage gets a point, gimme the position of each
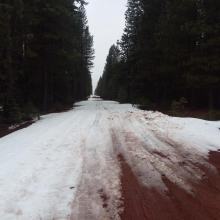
(46, 53)
(109, 80)
(169, 50)
(11, 111)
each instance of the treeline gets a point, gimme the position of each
(46, 52)
(169, 53)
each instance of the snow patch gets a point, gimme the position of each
(65, 165)
(157, 146)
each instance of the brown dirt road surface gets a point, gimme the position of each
(141, 203)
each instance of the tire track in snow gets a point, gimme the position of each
(153, 156)
(65, 167)
(161, 179)
(98, 195)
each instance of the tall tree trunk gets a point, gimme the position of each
(192, 101)
(45, 97)
(211, 103)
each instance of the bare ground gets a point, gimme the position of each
(141, 203)
(4, 128)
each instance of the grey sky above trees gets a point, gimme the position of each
(106, 23)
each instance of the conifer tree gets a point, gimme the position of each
(46, 55)
(169, 52)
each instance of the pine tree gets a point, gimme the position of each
(46, 55)
(108, 85)
(169, 52)
(9, 57)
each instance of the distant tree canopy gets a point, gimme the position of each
(46, 53)
(170, 49)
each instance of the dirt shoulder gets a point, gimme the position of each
(5, 128)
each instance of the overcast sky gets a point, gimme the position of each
(106, 23)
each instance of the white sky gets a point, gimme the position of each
(106, 23)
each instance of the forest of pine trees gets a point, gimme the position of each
(169, 53)
(46, 53)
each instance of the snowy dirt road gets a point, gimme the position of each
(106, 161)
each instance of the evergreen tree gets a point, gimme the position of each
(9, 49)
(169, 51)
(108, 84)
(46, 55)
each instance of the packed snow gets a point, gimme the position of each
(66, 165)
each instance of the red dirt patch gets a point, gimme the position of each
(141, 203)
(214, 158)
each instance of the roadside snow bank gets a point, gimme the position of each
(202, 135)
(157, 146)
(39, 165)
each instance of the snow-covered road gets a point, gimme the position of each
(67, 166)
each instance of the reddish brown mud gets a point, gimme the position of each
(142, 203)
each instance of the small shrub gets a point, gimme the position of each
(11, 112)
(178, 107)
(214, 115)
(146, 104)
(30, 112)
(122, 95)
